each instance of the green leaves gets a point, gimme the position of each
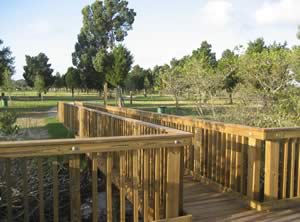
(6, 61)
(38, 66)
(8, 125)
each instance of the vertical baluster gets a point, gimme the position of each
(157, 185)
(109, 187)
(292, 169)
(95, 186)
(233, 162)
(41, 189)
(135, 186)
(122, 186)
(9, 188)
(25, 189)
(55, 190)
(146, 185)
(284, 169)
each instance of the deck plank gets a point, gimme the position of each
(206, 204)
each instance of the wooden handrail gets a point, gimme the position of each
(34, 148)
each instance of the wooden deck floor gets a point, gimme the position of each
(206, 204)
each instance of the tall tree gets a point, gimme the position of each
(205, 54)
(6, 61)
(135, 79)
(104, 24)
(39, 84)
(256, 46)
(228, 67)
(7, 84)
(38, 65)
(72, 79)
(58, 81)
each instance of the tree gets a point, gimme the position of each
(58, 81)
(38, 65)
(7, 84)
(39, 84)
(6, 61)
(72, 79)
(121, 61)
(256, 46)
(267, 73)
(174, 83)
(228, 67)
(104, 24)
(205, 54)
(135, 79)
(203, 82)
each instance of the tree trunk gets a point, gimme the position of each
(72, 92)
(130, 97)
(176, 103)
(145, 93)
(230, 98)
(105, 89)
(119, 97)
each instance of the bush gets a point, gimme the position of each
(8, 123)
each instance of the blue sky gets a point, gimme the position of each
(163, 28)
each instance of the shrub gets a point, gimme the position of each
(8, 124)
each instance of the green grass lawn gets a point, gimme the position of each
(56, 130)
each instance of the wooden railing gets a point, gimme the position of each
(44, 180)
(262, 164)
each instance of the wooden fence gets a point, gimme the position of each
(143, 160)
(262, 164)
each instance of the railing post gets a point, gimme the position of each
(254, 165)
(174, 183)
(271, 170)
(60, 112)
(81, 127)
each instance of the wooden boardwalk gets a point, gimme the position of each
(207, 204)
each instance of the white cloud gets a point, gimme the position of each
(282, 11)
(217, 12)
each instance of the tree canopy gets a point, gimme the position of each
(6, 61)
(38, 66)
(105, 23)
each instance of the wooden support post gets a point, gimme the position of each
(81, 121)
(74, 165)
(174, 169)
(271, 170)
(254, 165)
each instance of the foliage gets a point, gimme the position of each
(8, 125)
(6, 61)
(205, 54)
(39, 84)
(266, 73)
(38, 66)
(228, 68)
(59, 81)
(72, 79)
(256, 46)
(136, 78)
(204, 82)
(104, 24)
(7, 84)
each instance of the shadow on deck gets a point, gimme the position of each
(207, 204)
